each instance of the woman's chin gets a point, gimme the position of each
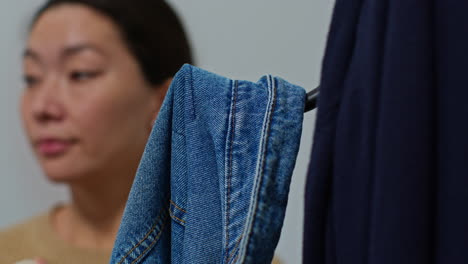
(60, 177)
(62, 172)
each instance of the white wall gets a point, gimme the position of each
(241, 39)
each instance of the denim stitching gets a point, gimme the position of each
(151, 245)
(175, 205)
(176, 218)
(229, 168)
(265, 131)
(192, 95)
(144, 238)
(235, 247)
(267, 137)
(235, 259)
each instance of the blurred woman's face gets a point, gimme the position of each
(87, 108)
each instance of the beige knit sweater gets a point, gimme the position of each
(35, 238)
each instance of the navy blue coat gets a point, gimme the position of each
(388, 177)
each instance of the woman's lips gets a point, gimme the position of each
(52, 147)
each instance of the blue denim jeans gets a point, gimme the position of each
(213, 182)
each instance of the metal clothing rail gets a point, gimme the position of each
(311, 100)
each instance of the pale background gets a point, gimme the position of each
(241, 39)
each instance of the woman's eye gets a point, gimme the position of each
(83, 75)
(30, 80)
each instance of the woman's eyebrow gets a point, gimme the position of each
(67, 51)
(77, 48)
(29, 53)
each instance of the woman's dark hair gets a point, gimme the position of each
(151, 29)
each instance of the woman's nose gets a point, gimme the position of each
(47, 105)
